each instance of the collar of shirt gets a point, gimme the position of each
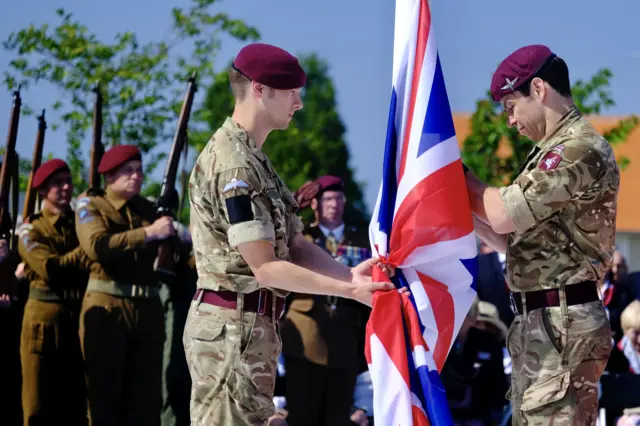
(114, 200)
(50, 216)
(337, 232)
(564, 125)
(502, 257)
(244, 136)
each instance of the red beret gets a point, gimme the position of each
(46, 170)
(517, 68)
(271, 66)
(117, 156)
(330, 183)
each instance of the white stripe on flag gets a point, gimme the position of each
(392, 399)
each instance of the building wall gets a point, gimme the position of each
(629, 244)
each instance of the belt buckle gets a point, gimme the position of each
(513, 305)
(262, 301)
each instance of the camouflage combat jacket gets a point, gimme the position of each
(237, 197)
(563, 205)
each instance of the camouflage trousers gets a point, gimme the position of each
(558, 355)
(232, 357)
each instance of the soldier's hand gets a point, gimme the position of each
(4, 250)
(20, 271)
(359, 417)
(365, 268)
(161, 229)
(306, 193)
(364, 289)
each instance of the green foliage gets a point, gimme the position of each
(314, 143)
(489, 130)
(142, 83)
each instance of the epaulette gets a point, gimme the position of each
(95, 192)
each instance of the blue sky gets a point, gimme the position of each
(356, 38)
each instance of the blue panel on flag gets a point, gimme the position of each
(438, 124)
(389, 185)
(472, 267)
(437, 404)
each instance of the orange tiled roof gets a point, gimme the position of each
(629, 198)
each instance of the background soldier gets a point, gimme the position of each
(249, 249)
(122, 323)
(323, 336)
(53, 384)
(557, 223)
(176, 299)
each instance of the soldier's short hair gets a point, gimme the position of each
(556, 74)
(630, 318)
(239, 84)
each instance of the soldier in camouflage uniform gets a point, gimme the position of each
(249, 249)
(557, 224)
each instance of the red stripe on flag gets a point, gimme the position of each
(424, 24)
(430, 213)
(385, 323)
(419, 417)
(443, 307)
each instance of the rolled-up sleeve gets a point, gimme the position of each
(518, 208)
(246, 206)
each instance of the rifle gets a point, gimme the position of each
(15, 199)
(184, 180)
(7, 174)
(97, 149)
(165, 262)
(31, 194)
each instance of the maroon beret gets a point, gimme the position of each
(271, 66)
(117, 156)
(330, 183)
(517, 68)
(46, 170)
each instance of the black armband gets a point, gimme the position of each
(239, 209)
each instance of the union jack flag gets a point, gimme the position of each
(422, 224)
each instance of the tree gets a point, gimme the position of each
(142, 84)
(312, 146)
(490, 134)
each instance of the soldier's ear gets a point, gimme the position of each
(538, 88)
(314, 204)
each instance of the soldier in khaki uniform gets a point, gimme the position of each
(122, 322)
(323, 336)
(249, 249)
(557, 224)
(53, 385)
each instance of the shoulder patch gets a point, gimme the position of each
(82, 202)
(235, 184)
(25, 236)
(24, 229)
(550, 161)
(84, 216)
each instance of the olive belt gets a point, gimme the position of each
(123, 290)
(49, 295)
